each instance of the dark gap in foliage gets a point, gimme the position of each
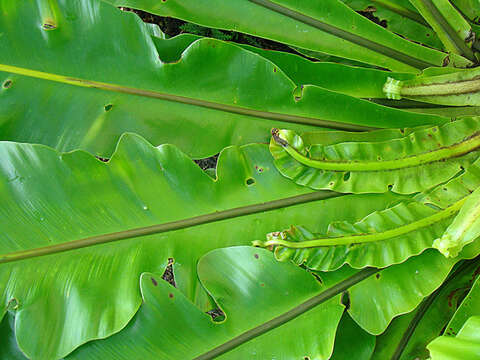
(207, 163)
(168, 275)
(102, 159)
(345, 300)
(369, 14)
(7, 84)
(216, 314)
(250, 181)
(173, 27)
(317, 277)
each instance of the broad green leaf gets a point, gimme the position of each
(381, 239)
(407, 336)
(68, 97)
(413, 163)
(469, 8)
(465, 346)
(328, 26)
(464, 229)
(470, 306)
(54, 202)
(345, 79)
(384, 237)
(351, 342)
(398, 289)
(8, 345)
(456, 89)
(399, 17)
(247, 284)
(450, 26)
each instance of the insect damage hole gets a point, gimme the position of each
(48, 26)
(217, 315)
(7, 84)
(168, 274)
(108, 107)
(250, 181)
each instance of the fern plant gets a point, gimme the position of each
(341, 220)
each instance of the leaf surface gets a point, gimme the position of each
(465, 346)
(217, 95)
(328, 26)
(51, 201)
(246, 283)
(408, 335)
(409, 164)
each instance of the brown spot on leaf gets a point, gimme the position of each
(154, 282)
(256, 256)
(170, 295)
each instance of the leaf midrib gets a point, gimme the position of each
(345, 35)
(372, 237)
(296, 119)
(166, 227)
(440, 154)
(452, 35)
(289, 315)
(400, 10)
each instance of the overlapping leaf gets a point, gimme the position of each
(464, 229)
(465, 346)
(328, 26)
(384, 237)
(246, 283)
(457, 89)
(469, 307)
(216, 95)
(350, 80)
(409, 164)
(52, 199)
(400, 17)
(407, 336)
(450, 26)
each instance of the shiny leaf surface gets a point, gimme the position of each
(67, 97)
(409, 164)
(328, 26)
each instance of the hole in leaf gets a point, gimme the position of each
(306, 358)
(207, 163)
(390, 187)
(317, 277)
(12, 304)
(108, 107)
(250, 181)
(346, 176)
(217, 315)
(377, 276)
(48, 26)
(7, 84)
(168, 274)
(102, 159)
